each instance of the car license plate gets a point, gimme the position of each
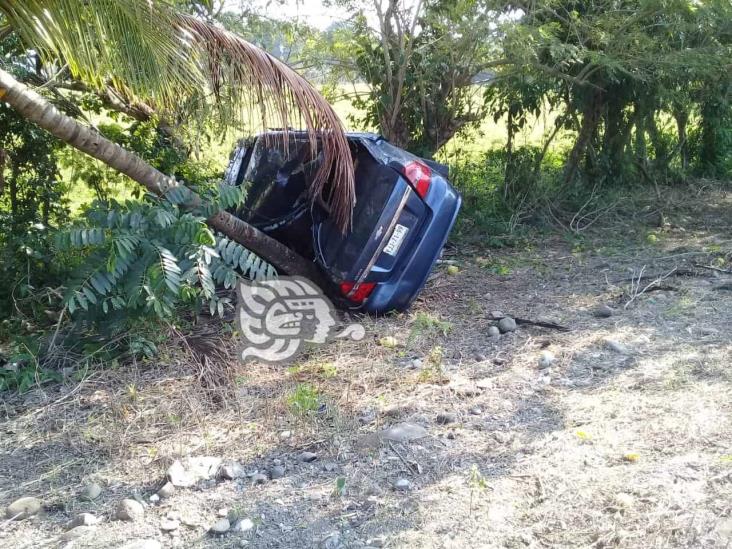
(395, 242)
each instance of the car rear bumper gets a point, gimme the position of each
(404, 285)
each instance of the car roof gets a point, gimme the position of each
(370, 136)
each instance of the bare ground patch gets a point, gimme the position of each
(626, 440)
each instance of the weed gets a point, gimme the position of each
(433, 367)
(339, 490)
(427, 325)
(477, 483)
(304, 399)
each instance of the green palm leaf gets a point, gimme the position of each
(148, 51)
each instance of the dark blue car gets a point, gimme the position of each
(405, 208)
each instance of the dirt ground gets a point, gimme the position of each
(624, 440)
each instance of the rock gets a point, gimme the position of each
(497, 315)
(546, 360)
(368, 416)
(624, 500)
(167, 490)
(154, 498)
(603, 311)
(388, 342)
(402, 485)
(724, 528)
(83, 519)
(475, 411)
(277, 471)
(617, 347)
(169, 525)
(446, 418)
(308, 457)
(142, 544)
(23, 508)
(231, 471)
(494, 332)
(485, 383)
(285, 434)
(78, 532)
(189, 471)
(260, 478)
(129, 509)
(404, 432)
(481, 357)
(91, 491)
(220, 527)
(244, 525)
(506, 325)
(331, 541)
(502, 437)
(416, 364)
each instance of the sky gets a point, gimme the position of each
(308, 11)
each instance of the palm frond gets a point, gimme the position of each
(150, 52)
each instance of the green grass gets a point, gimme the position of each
(304, 400)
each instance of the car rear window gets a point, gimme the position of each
(374, 185)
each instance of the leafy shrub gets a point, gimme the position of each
(146, 257)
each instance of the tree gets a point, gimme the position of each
(149, 52)
(612, 73)
(420, 62)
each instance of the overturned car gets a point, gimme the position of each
(405, 209)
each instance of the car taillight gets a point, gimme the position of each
(419, 175)
(361, 292)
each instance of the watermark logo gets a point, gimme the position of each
(277, 317)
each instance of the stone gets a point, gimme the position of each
(416, 364)
(445, 418)
(546, 360)
(331, 541)
(624, 500)
(83, 519)
(244, 525)
(231, 471)
(497, 315)
(142, 544)
(308, 457)
(187, 472)
(259, 478)
(167, 490)
(23, 508)
(91, 491)
(485, 383)
(285, 434)
(78, 532)
(617, 347)
(129, 509)
(169, 525)
(404, 432)
(276, 471)
(493, 332)
(475, 411)
(154, 498)
(502, 437)
(479, 357)
(603, 311)
(220, 527)
(507, 324)
(368, 416)
(402, 485)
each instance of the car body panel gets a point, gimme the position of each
(396, 235)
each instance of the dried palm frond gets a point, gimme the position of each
(148, 51)
(242, 75)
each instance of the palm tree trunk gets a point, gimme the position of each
(36, 109)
